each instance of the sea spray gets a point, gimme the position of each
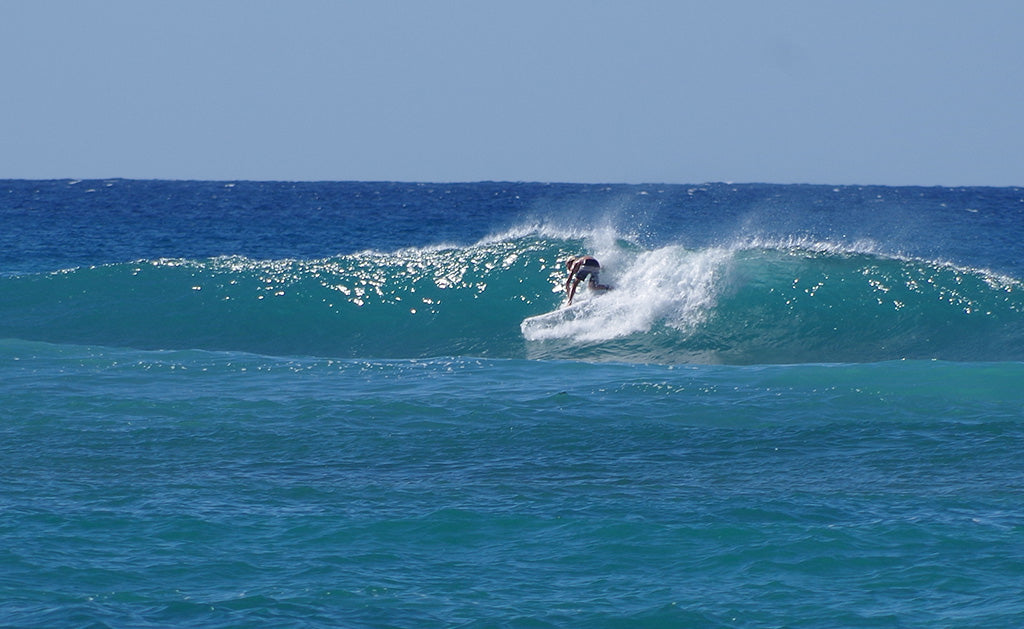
(667, 286)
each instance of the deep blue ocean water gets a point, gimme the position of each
(230, 404)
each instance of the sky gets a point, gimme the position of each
(894, 92)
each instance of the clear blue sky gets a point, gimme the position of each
(920, 92)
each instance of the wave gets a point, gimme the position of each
(753, 302)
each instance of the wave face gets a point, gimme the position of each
(754, 302)
(798, 304)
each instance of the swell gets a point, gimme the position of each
(749, 303)
(33, 374)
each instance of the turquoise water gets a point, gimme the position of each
(741, 304)
(812, 422)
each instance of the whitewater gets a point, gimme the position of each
(363, 404)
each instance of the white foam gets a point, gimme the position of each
(591, 232)
(670, 286)
(809, 244)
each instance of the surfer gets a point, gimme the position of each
(582, 268)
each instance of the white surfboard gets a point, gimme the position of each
(534, 326)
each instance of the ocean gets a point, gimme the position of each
(359, 404)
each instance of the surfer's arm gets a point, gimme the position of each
(570, 287)
(570, 284)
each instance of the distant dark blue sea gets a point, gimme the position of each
(234, 404)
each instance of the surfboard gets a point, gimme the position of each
(560, 315)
